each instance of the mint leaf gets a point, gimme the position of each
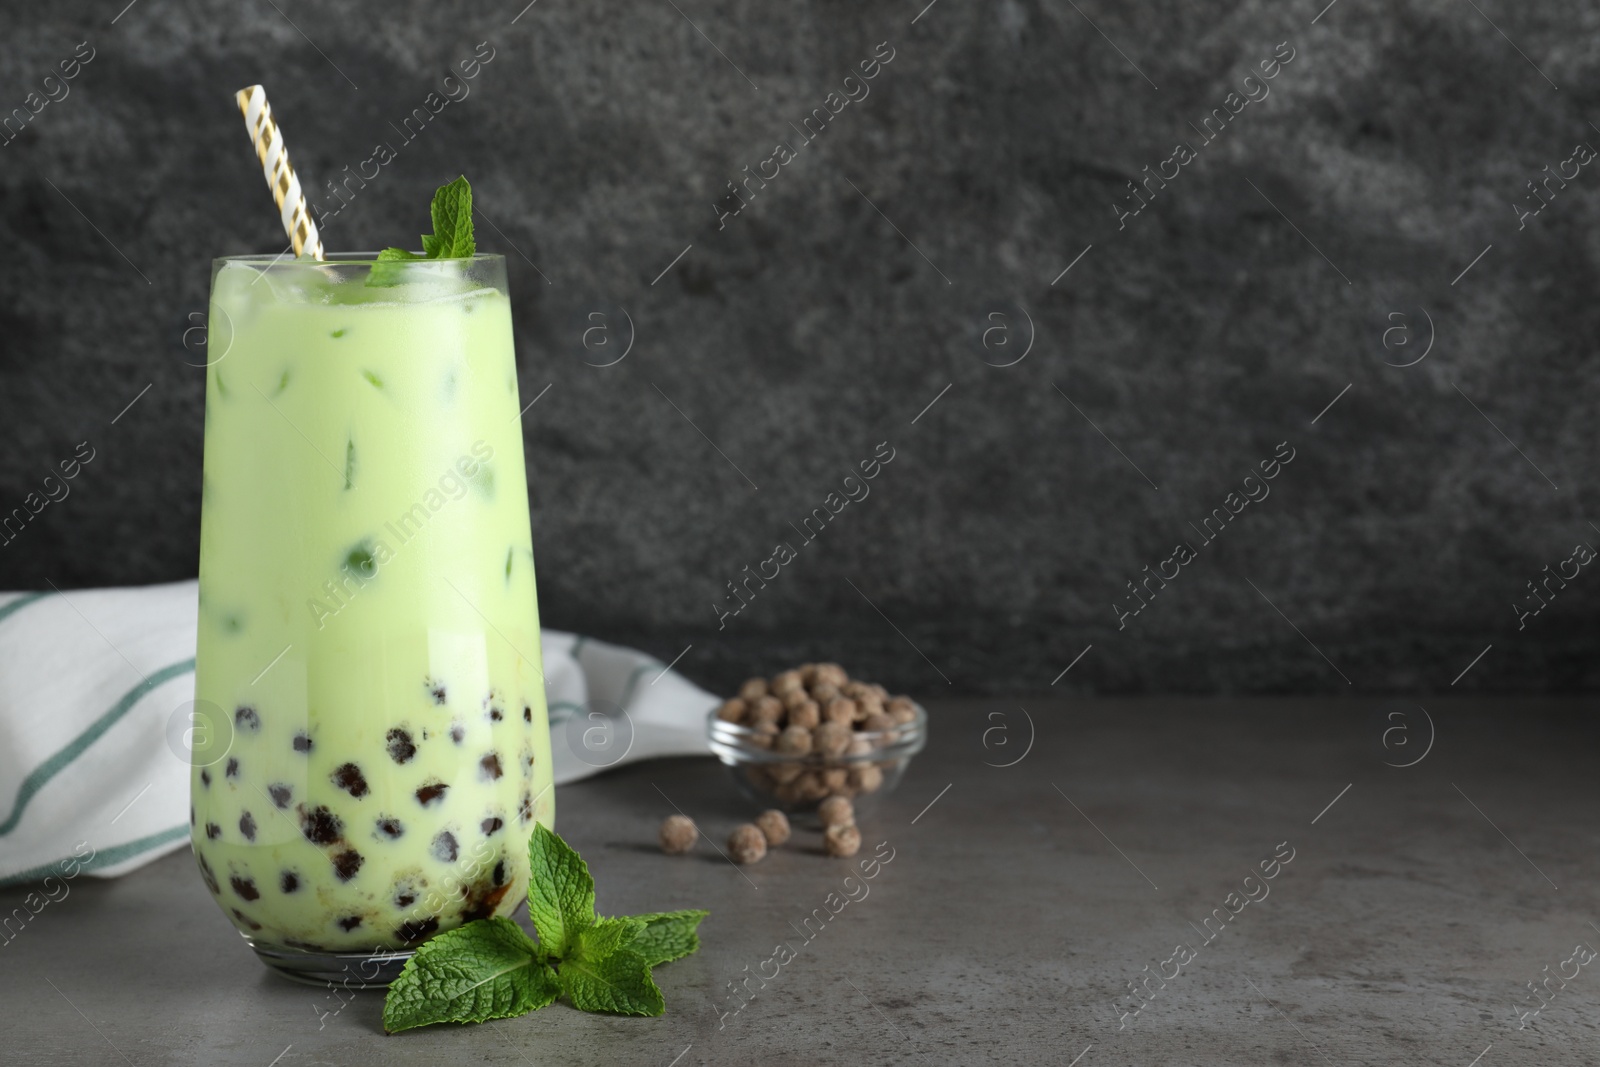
(619, 983)
(560, 893)
(484, 970)
(667, 935)
(451, 238)
(606, 937)
(452, 222)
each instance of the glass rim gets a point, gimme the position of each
(348, 259)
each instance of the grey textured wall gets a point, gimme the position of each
(859, 285)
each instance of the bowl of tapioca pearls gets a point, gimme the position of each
(806, 734)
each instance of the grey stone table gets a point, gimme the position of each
(1415, 905)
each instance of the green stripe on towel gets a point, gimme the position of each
(62, 759)
(110, 857)
(18, 604)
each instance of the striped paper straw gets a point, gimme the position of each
(280, 175)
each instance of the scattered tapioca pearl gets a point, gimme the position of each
(495, 714)
(436, 690)
(205, 778)
(527, 713)
(500, 873)
(431, 791)
(232, 770)
(247, 826)
(289, 882)
(213, 831)
(245, 718)
(347, 863)
(457, 732)
(302, 743)
(390, 827)
(349, 778)
(416, 929)
(321, 826)
(527, 756)
(349, 922)
(492, 825)
(401, 748)
(245, 887)
(280, 794)
(406, 897)
(525, 811)
(490, 766)
(242, 917)
(444, 847)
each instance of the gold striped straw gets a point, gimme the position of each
(280, 175)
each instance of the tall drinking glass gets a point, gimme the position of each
(371, 747)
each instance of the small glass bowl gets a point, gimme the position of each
(873, 766)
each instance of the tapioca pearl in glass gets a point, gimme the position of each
(320, 825)
(347, 863)
(400, 745)
(348, 776)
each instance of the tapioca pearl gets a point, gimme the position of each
(348, 776)
(525, 810)
(289, 881)
(457, 732)
(489, 767)
(242, 917)
(499, 873)
(232, 770)
(245, 718)
(247, 826)
(245, 887)
(527, 755)
(495, 714)
(405, 895)
(390, 827)
(207, 873)
(435, 690)
(347, 863)
(444, 847)
(280, 794)
(302, 743)
(205, 778)
(213, 831)
(527, 713)
(431, 792)
(492, 825)
(320, 826)
(349, 922)
(416, 929)
(401, 747)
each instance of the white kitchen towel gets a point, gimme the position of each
(95, 692)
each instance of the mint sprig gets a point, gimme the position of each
(451, 238)
(490, 969)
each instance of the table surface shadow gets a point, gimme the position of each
(1066, 882)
